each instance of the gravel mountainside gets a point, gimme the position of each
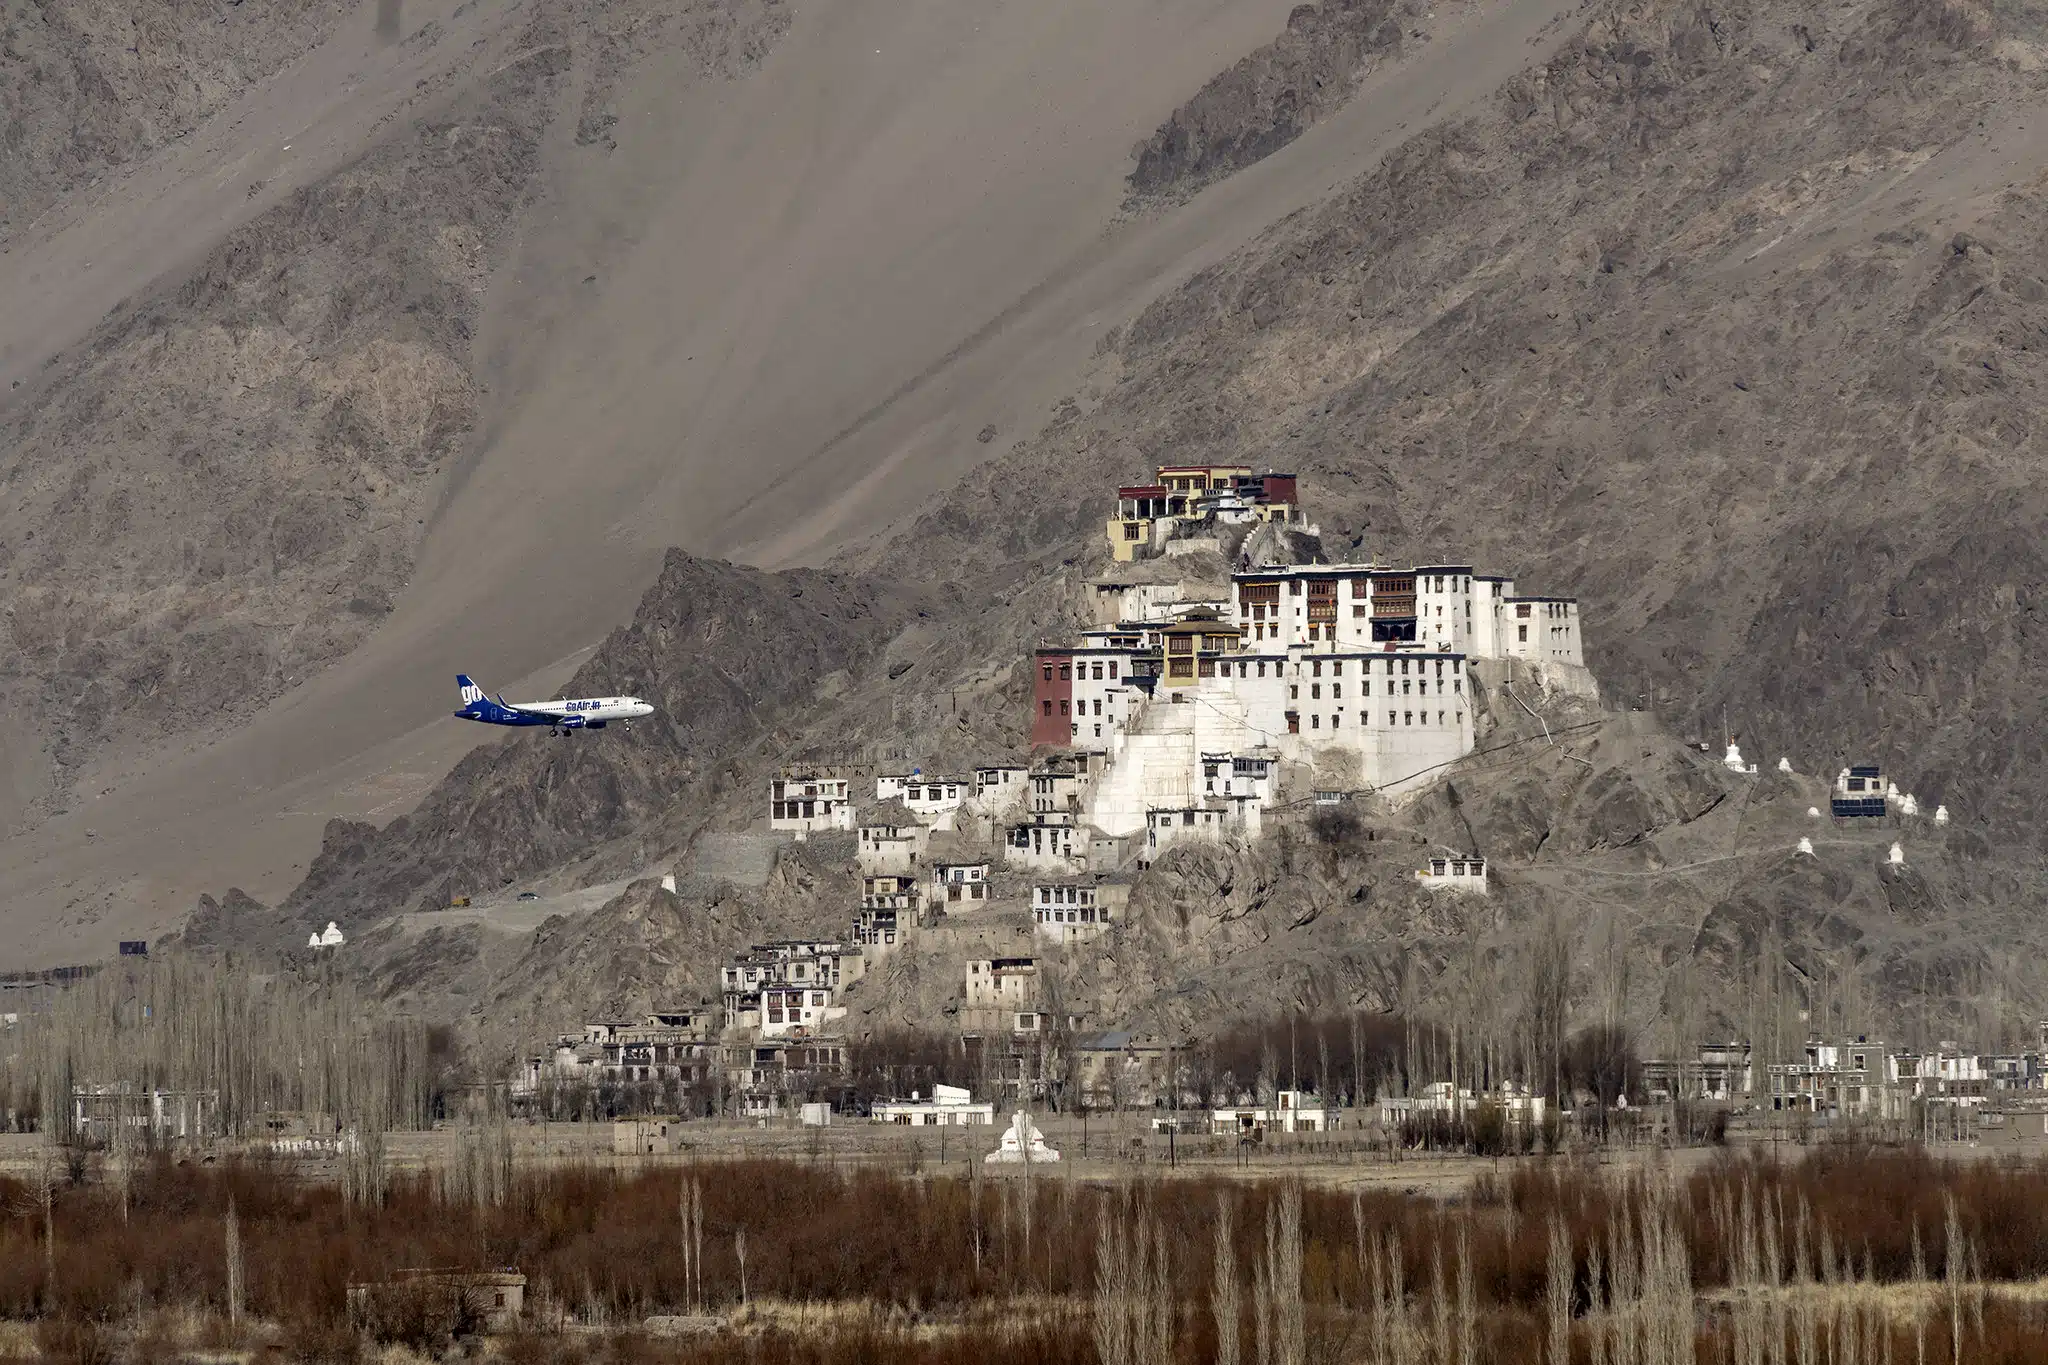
(89, 86)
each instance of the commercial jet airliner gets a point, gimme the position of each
(583, 713)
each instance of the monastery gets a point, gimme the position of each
(1258, 680)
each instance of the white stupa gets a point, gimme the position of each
(1733, 759)
(1941, 815)
(331, 938)
(1784, 765)
(1023, 1144)
(1891, 791)
(668, 882)
(1813, 812)
(1806, 847)
(1908, 806)
(1897, 857)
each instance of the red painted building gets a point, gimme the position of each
(1052, 699)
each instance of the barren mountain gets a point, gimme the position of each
(1723, 319)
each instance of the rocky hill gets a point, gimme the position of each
(223, 487)
(90, 86)
(1725, 320)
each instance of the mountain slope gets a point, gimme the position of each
(1726, 321)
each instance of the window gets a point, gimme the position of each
(1112, 670)
(1368, 687)
(1337, 668)
(1390, 717)
(1315, 722)
(1522, 634)
(1098, 707)
(1097, 673)
(1315, 691)
(1318, 668)
(1065, 709)
(1336, 691)
(1131, 531)
(1336, 717)
(1407, 717)
(1294, 691)
(1048, 672)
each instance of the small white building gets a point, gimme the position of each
(1075, 912)
(1045, 846)
(879, 930)
(949, 1106)
(1292, 1111)
(933, 800)
(801, 804)
(1250, 774)
(1057, 791)
(1454, 874)
(957, 886)
(796, 1009)
(1002, 787)
(1214, 822)
(891, 840)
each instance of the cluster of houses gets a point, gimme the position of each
(1858, 1078)
(1171, 720)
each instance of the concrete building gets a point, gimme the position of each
(1836, 1080)
(100, 1112)
(949, 1106)
(1454, 874)
(1001, 788)
(1002, 997)
(1292, 1111)
(1859, 793)
(673, 1046)
(890, 839)
(1076, 911)
(957, 886)
(1223, 820)
(1048, 844)
(801, 803)
(931, 800)
(771, 989)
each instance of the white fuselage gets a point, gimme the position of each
(588, 709)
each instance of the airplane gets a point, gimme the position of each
(583, 713)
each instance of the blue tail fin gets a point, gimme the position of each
(471, 693)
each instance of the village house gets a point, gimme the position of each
(1049, 843)
(646, 1137)
(1212, 822)
(148, 1116)
(949, 1106)
(1836, 1080)
(931, 800)
(1454, 874)
(890, 840)
(791, 968)
(802, 803)
(1126, 1069)
(957, 886)
(1001, 788)
(1718, 1071)
(1292, 1111)
(774, 1077)
(666, 1046)
(1228, 775)
(1076, 911)
(444, 1298)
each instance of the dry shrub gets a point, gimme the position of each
(73, 1341)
